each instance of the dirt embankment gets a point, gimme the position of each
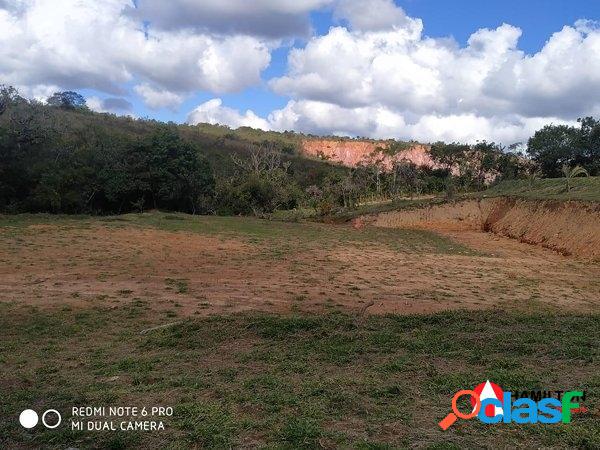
(571, 227)
(352, 153)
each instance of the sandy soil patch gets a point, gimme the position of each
(568, 227)
(193, 274)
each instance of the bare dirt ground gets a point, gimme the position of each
(136, 310)
(188, 273)
(568, 227)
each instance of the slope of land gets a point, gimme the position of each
(582, 188)
(217, 143)
(533, 213)
(351, 153)
(570, 228)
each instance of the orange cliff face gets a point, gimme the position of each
(354, 153)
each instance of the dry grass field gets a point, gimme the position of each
(286, 335)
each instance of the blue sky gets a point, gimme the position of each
(442, 18)
(400, 68)
(537, 18)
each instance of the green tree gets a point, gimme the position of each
(8, 96)
(67, 100)
(449, 156)
(572, 172)
(161, 171)
(589, 145)
(556, 145)
(261, 185)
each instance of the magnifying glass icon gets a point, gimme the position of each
(456, 414)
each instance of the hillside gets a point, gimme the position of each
(349, 152)
(538, 212)
(582, 188)
(217, 142)
(73, 160)
(69, 159)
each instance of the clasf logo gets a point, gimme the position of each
(492, 405)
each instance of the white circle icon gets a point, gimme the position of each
(28, 418)
(44, 418)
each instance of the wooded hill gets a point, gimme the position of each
(61, 157)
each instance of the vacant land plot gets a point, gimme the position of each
(286, 335)
(211, 265)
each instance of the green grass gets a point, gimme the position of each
(285, 236)
(24, 220)
(284, 381)
(279, 237)
(255, 136)
(306, 381)
(376, 208)
(345, 215)
(179, 285)
(583, 188)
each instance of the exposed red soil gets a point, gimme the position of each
(568, 227)
(353, 153)
(55, 266)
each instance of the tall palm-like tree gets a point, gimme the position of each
(572, 172)
(532, 176)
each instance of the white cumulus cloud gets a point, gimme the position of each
(111, 104)
(273, 19)
(373, 15)
(157, 98)
(375, 74)
(214, 112)
(324, 118)
(391, 80)
(76, 44)
(383, 122)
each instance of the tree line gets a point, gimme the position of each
(59, 157)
